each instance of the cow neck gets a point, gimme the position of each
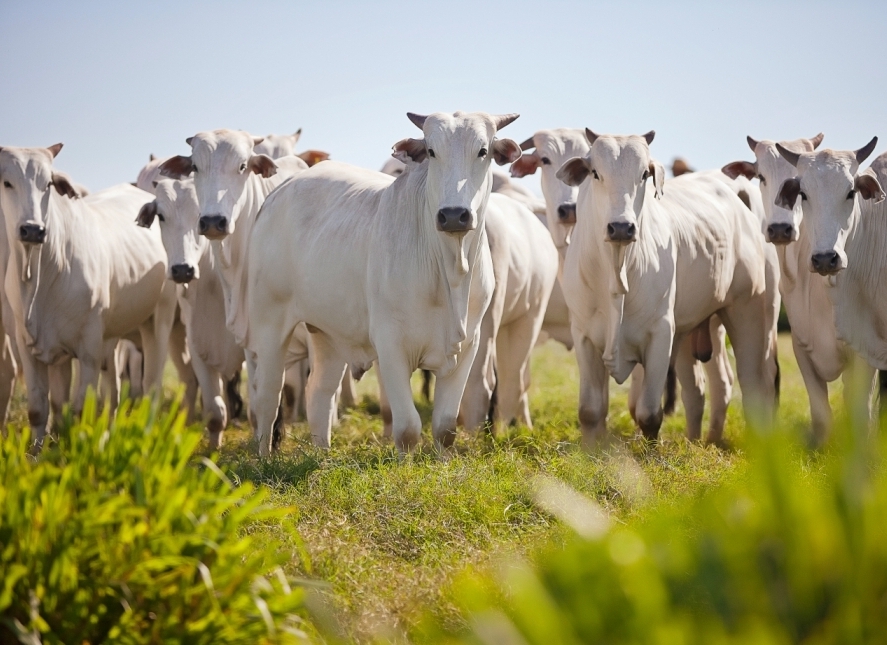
(439, 255)
(230, 253)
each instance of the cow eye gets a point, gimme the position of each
(851, 194)
(193, 168)
(594, 174)
(546, 161)
(242, 166)
(160, 217)
(431, 153)
(761, 177)
(7, 184)
(482, 153)
(803, 197)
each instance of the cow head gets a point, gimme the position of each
(175, 206)
(781, 224)
(618, 168)
(829, 187)
(221, 163)
(550, 150)
(27, 181)
(278, 145)
(457, 150)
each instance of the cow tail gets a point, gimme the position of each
(671, 391)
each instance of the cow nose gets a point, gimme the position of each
(213, 226)
(780, 233)
(826, 263)
(182, 273)
(454, 219)
(621, 231)
(566, 213)
(32, 233)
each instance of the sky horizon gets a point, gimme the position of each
(116, 82)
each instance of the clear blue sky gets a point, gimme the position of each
(116, 81)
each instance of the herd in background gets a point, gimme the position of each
(312, 273)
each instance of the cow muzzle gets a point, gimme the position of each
(32, 233)
(826, 263)
(455, 219)
(566, 213)
(214, 227)
(780, 233)
(621, 232)
(181, 273)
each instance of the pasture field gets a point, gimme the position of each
(382, 537)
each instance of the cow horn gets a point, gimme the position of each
(529, 144)
(815, 141)
(788, 155)
(257, 140)
(501, 120)
(417, 119)
(863, 153)
(55, 149)
(752, 143)
(591, 136)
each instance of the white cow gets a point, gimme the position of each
(395, 270)
(647, 266)
(846, 219)
(821, 356)
(232, 183)
(525, 270)
(215, 355)
(80, 275)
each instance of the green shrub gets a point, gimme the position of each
(118, 533)
(794, 551)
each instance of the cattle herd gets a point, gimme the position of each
(313, 273)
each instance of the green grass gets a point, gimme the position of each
(383, 537)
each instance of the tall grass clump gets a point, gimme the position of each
(120, 533)
(792, 551)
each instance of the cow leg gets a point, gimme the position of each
(295, 382)
(348, 397)
(155, 338)
(817, 393)
(182, 360)
(481, 380)
(634, 391)
(692, 379)
(327, 368)
(720, 382)
(384, 406)
(214, 409)
(394, 377)
(110, 374)
(7, 381)
(90, 370)
(594, 395)
(750, 339)
(37, 382)
(448, 391)
(657, 360)
(858, 378)
(60, 377)
(513, 357)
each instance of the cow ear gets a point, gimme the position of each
(147, 213)
(262, 165)
(736, 168)
(869, 187)
(296, 135)
(412, 149)
(788, 193)
(505, 151)
(526, 165)
(64, 185)
(574, 171)
(657, 172)
(55, 149)
(257, 140)
(177, 167)
(312, 157)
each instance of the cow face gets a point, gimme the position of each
(221, 163)
(177, 209)
(457, 150)
(278, 145)
(27, 180)
(552, 149)
(618, 168)
(781, 225)
(829, 189)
